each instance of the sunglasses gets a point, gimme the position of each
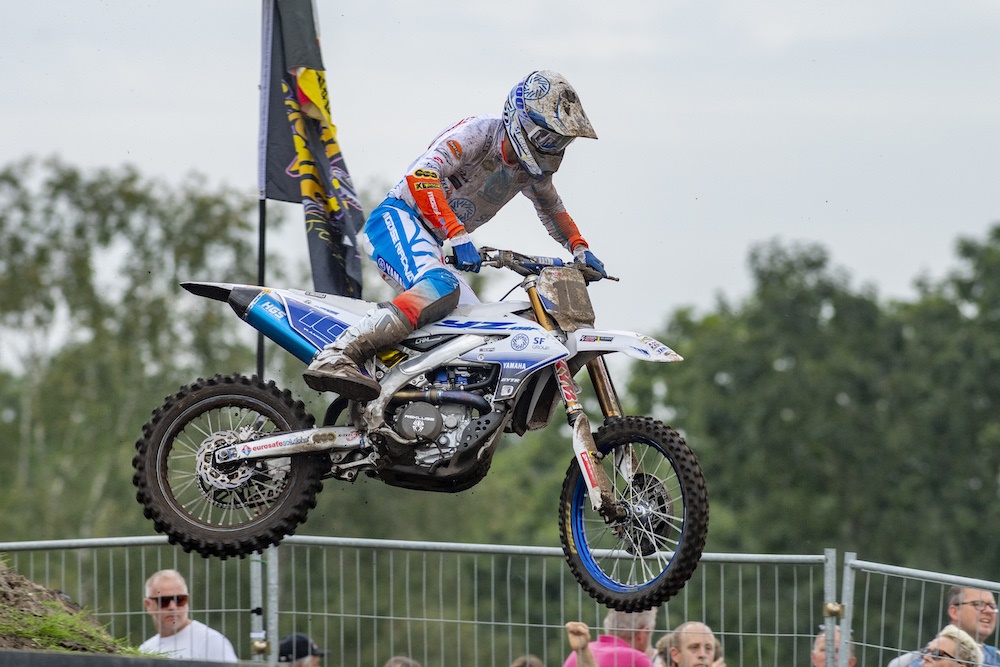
(164, 600)
(935, 654)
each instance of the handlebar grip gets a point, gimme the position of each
(591, 275)
(483, 255)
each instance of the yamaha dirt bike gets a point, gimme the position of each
(232, 464)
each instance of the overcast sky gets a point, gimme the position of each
(872, 128)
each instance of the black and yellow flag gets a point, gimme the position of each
(300, 160)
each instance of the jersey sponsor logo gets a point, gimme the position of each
(455, 148)
(426, 186)
(497, 188)
(463, 208)
(426, 173)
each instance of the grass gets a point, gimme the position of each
(59, 630)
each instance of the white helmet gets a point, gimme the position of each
(543, 114)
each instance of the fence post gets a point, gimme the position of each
(258, 638)
(847, 599)
(830, 607)
(273, 588)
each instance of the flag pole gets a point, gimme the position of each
(267, 26)
(261, 254)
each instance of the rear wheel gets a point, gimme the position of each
(646, 557)
(228, 508)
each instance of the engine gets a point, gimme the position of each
(435, 411)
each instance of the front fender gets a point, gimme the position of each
(629, 343)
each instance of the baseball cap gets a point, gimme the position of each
(297, 646)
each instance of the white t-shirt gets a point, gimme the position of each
(196, 641)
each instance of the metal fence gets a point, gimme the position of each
(485, 605)
(891, 610)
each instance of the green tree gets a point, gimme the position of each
(96, 330)
(823, 417)
(949, 394)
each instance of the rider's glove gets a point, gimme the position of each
(466, 255)
(583, 255)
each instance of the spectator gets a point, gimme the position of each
(623, 644)
(818, 655)
(691, 644)
(167, 603)
(401, 661)
(301, 650)
(530, 660)
(952, 646)
(973, 611)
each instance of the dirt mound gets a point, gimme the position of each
(33, 617)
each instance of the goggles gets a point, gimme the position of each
(542, 139)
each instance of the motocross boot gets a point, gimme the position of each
(338, 367)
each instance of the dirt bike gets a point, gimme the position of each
(230, 465)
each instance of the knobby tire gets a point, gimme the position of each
(212, 509)
(645, 559)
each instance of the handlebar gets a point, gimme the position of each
(527, 265)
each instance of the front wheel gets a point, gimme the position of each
(644, 558)
(221, 508)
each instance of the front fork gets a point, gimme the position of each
(601, 494)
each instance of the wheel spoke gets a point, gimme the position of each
(199, 497)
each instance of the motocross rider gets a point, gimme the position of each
(466, 175)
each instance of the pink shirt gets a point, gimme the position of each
(613, 652)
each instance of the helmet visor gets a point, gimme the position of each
(547, 141)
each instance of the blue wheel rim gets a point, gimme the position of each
(580, 505)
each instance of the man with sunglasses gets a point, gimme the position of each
(972, 611)
(467, 174)
(167, 603)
